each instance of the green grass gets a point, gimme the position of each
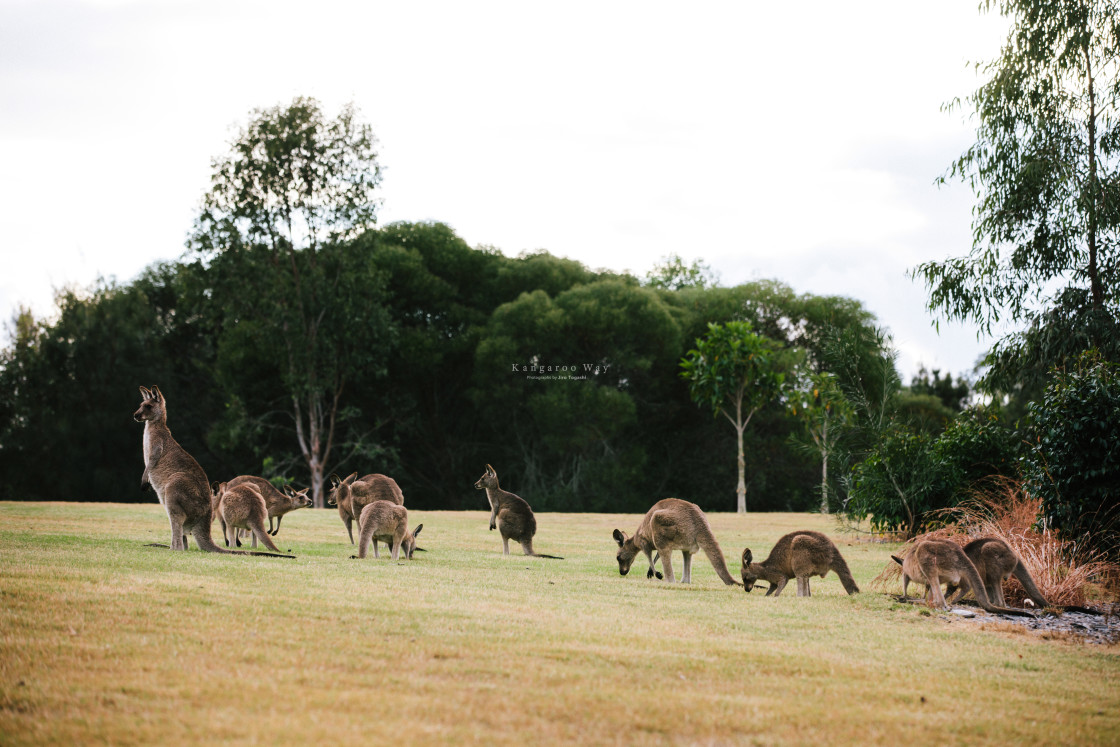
(105, 640)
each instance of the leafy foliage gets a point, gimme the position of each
(1046, 172)
(733, 372)
(911, 474)
(1074, 465)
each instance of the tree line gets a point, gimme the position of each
(436, 357)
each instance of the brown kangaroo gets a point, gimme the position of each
(276, 501)
(352, 495)
(995, 560)
(797, 555)
(672, 524)
(243, 507)
(178, 480)
(934, 562)
(388, 522)
(510, 514)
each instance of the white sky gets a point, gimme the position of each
(796, 141)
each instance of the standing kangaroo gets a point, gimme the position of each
(797, 555)
(179, 482)
(276, 501)
(995, 560)
(243, 507)
(672, 524)
(510, 514)
(352, 495)
(388, 522)
(934, 562)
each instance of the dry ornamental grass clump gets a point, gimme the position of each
(1066, 574)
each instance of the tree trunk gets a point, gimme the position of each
(824, 469)
(741, 490)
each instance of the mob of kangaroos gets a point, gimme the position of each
(178, 480)
(672, 524)
(278, 502)
(933, 562)
(797, 555)
(510, 515)
(351, 495)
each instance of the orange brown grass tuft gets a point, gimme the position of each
(1065, 574)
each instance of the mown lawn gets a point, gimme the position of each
(105, 640)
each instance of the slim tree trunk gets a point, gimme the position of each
(824, 468)
(741, 490)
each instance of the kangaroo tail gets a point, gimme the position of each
(841, 567)
(711, 548)
(202, 537)
(1029, 586)
(540, 555)
(263, 536)
(981, 595)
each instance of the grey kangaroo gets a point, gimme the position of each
(934, 562)
(510, 514)
(243, 507)
(995, 560)
(797, 555)
(179, 482)
(278, 502)
(672, 524)
(388, 522)
(351, 495)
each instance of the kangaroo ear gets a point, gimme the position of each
(416, 531)
(158, 395)
(619, 537)
(145, 392)
(490, 470)
(334, 481)
(747, 556)
(896, 559)
(350, 478)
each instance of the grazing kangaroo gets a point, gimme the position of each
(995, 560)
(352, 495)
(276, 501)
(388, 522)
(933, 562)
(672, 524)
(797, 555)
(179, 482)
(243, 507)
(510, 514)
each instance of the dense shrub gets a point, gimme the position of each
(1074, 465)
(910, 474)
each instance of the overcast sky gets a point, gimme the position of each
(796, 141)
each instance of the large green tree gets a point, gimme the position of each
(277, 225)
(1045, 168)
(733, 372)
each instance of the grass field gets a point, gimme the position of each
(104, 640)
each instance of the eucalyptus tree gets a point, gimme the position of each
(826, 413)
(1045, 168)
(295, 188)
(733, 372)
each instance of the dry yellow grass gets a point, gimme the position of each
(1065, 573)
(105, 640)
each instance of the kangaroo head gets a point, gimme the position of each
(749, 570)
(152, 407)
(627, 551)
(298, 498)
(340, 489)
(489, 479)
(408, 544)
